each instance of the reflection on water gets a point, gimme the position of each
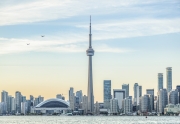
(89, 120)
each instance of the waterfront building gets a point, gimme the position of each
(162, 100)
(28, 106)
(136, 94)
(150, 92)
(72, 98)
(155, 105)
(144, 103)
(77, 103)
(127, 105)
(119, 94)
(3, 108)
(96, 108)
(107, 93)
(101, 105)
(32, 100)
(9, 104)
(85, 104)
(173, 97)
(178, 88)
(90, 53)
(51, 106)
(4, 99)
(24, 108)
(160, 81)
(126, 87)
(151, 102)
(79, 94)
(114, 109)
(172, 109)
(169, 78)
(13, 105)
(18, 100)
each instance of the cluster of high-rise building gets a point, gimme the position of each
(18, 104)
(117, 101)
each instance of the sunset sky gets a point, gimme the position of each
(134, 40)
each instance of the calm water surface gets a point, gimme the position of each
(89, 120)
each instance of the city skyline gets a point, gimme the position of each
(134, 41)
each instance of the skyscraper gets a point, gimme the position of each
(150, 92)
(90, 53)
(151, 102)
(173, 97)
(160, 81)
(144, 103)
(162, 100)
(126, 87)
(13, 105)
(136, 94)
(85, 103)
(32, 100)
(119, 94)
(127, 105)
(178, 88)
(107, 93)
(9, 103)
(169, 78)
(140, 91)
(71, 98)
(96, 108)
(79, 94)
(18, 100)
(4, 99)
(114, 106)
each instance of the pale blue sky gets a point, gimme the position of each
(133, 41)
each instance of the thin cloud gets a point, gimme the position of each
(134, 28)
(20, 12)
(11, 46)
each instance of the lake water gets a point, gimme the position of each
(89, 120)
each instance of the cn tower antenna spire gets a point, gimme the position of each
(90, 33)
(90, 20)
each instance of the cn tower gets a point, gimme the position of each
(90, 53)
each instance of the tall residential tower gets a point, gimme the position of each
(169, 79)
(90, 53)
(126, 87)
(160, 81)
(107, 93)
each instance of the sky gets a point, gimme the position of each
(133, 40)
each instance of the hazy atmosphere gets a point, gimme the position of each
(133, 42)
